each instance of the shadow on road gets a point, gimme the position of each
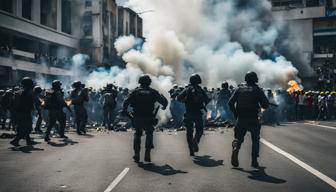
(260, 175)
(26, 149)
(207, 161)
(63, 143)
(165, 170)
(87, 135)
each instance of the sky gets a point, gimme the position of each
(121, 2)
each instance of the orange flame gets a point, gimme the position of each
(293, 86)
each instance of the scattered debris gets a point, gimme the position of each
(7, 136)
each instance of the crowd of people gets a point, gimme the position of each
(103, 107)
(39, 57)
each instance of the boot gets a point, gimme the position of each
(136, 157)
(192, 152)
(234, 157)
(46, 138)
(147, 156)
(14, 143)
(255, 163)
(63, 137)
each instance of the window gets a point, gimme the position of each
(66, 16)
(120, 21)
(6, 5)
(49, 13)
(26, 8)
(88, 3)
(87, 24)
(312, 3)
(127, 31)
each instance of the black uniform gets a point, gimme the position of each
(195, 100)
(37, 104)
(223, 98)
(109, 104)
(245, 104)
(55, 107)
(142, 100)
(78, 98)
(23, 107)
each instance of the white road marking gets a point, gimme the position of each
(117, 180)
(324, 126)
(310, 169)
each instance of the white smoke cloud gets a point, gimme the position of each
(220, 40)
(124, 44)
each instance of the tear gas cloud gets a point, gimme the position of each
(219, 39)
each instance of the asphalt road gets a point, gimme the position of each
(102, 160)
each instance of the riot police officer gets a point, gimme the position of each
(78, 97)
(245, 103)
(143, 100)
(109, 96)
(37, 102)
(23, 106)
(195, 100)
(54, 104)
(223, 98)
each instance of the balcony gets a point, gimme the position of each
(25, 61)
(294, 13)
(323, 55)
(27, 27)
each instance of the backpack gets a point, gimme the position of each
(22, 101)
(49, 99)
(109, 99)
(195, 96)
(17, 100)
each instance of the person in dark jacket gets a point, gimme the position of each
(23, 106)
(143, 100)
(195, 100)
(245, 104)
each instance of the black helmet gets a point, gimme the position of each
(251, 77)
(145, 80)
(195, 79)
(56, 84)
(109, 86)
(76, 84)
(27, 82)
(225, 85)
(37, 89)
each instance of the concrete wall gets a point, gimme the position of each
(27, 27)
(32, 67)
(300, 13)
(303, 32)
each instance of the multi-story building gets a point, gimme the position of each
(36, 37)
(314, 22)
(129, 23)
(39, 37)
(99, 31)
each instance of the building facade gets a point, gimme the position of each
(39, 37)
(314, 22)
(99, 26)
(129, 23)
